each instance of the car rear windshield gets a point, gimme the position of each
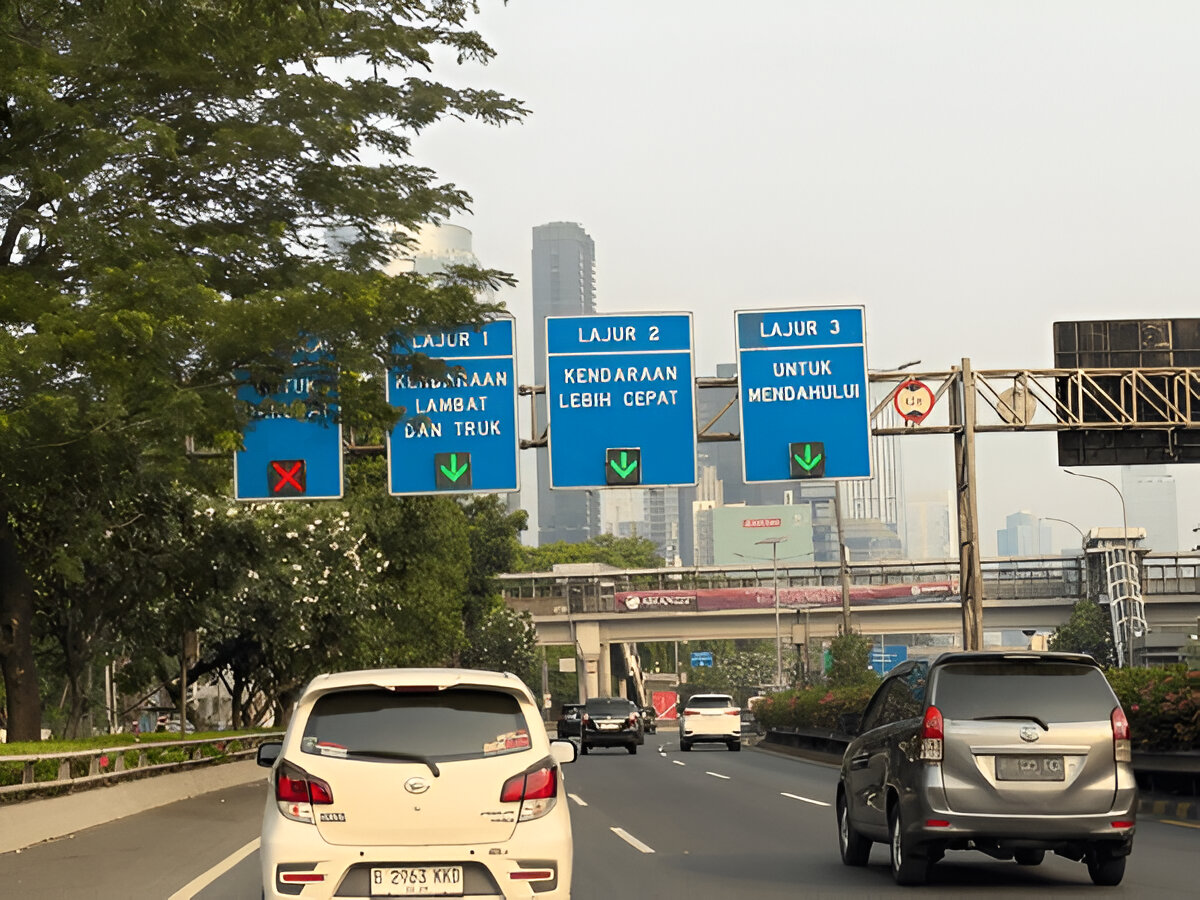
(710, 702)
(620, 708)
(1053, 692)
(454, 724)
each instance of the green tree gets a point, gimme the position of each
(167, 176)
(623, 553)
(851, 665)
(1089, 630)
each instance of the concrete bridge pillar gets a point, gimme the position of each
(592, 662)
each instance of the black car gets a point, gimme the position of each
(611, 722)
(569, 719)
(649, 720)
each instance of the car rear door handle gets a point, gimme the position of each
(859, 762)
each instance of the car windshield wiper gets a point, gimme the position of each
(393, 754)
(1045, 727)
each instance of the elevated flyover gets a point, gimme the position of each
(593, 606)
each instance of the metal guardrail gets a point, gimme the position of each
(99, 773)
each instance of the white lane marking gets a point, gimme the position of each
(577, 799)
(631, 840)
(715, 775)
(678, 763)
(805, 799)
(200, 882)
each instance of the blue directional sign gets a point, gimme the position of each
(287, 458)
(887, 657)
(802, 394)
(701, 658)
(620, 400)
(458, 433)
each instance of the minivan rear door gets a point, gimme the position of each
(422, 766)
(1023, 732)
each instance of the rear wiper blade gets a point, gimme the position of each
(1045, 727)
(392, 754)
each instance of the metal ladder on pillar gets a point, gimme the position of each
(1126, 608)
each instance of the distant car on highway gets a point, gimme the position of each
(1013, 754)
(402, 782)
(710, 718)
(569, 719)
(649, 720)
(611, 722)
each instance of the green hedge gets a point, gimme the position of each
(1162, 705)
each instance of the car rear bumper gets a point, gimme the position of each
(610, 739)
(488, 869)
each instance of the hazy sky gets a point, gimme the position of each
(969, 171)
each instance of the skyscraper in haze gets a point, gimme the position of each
(564, 284)
(1151, 503)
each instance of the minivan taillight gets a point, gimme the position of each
(536, 790)
(932, 735)
(296, 792)
(1122, 749)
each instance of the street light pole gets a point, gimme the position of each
(1082, 547)
(774, 542)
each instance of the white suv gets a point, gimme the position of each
(712, 718)
(416, 782)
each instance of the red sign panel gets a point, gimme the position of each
(665, 704)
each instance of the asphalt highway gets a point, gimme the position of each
(662, 824)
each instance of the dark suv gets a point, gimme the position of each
(1012, 754)
(569, 720)
(611, 722)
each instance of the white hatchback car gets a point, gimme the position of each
(712, 718)
(416, 782)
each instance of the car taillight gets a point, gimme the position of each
(733, 712)
(536, 790)
(691, 712)
(1122, 748)
(932, 735)
(632, 721)
(296, 792)
(584, 717)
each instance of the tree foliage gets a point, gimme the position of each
(1089, 630)
(623, 553)
(851, 661)
(169, 175)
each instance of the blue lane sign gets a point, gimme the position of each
(620, 385)
(802, 393)
(701, 658)
(458, 434)
(286, 458)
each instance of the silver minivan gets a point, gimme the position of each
(1012, 754)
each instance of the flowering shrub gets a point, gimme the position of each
(1162, 705)
(814, 707)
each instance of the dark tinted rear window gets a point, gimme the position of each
(710, 702)
(439, 725)
(1054, 692)
(610, 708)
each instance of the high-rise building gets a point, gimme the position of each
(564, 284)
(1024, 534)
(931, 526)
(1150, 503)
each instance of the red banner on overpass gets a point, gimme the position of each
(707, 599)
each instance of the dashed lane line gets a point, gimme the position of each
(631, 840)
(804, 799)
(717, 775)
(678, 763)
(579, 800)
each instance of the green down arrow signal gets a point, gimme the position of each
(454, 472)
(625, 467)
(809, 462)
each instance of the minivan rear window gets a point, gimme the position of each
(454, 724)
(710, 702)
(603, 707)
(1053, 692)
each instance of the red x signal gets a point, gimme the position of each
(285, 477)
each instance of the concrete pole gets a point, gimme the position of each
(843, 557)
(970, 568)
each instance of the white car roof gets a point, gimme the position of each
(437, 678)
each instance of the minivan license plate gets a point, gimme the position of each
(1029, 768)
(417, 881)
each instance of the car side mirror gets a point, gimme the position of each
(563, 751)
(849, 723)
(268, 753)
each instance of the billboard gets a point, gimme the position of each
(744, 534)
(711, 599)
